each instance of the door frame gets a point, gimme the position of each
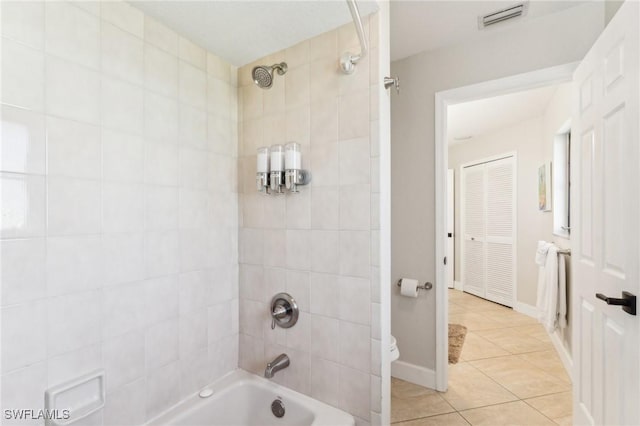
(526, 81)
(514, 156)
(451, 228)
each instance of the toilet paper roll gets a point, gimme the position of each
(409, 287)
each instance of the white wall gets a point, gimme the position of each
(544, 42)
(555, 117)
(526, 139)
(119, 208)
(320, 245)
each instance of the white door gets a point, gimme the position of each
(606, 237)
(473, 218)
(488, 227)
(500, 231)
(450, 227)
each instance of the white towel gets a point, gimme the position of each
(541, 259)
(562, 292)
(541, 252)
(547, 303)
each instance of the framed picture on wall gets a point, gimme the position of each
(544, 187)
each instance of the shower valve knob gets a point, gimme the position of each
(284, 311)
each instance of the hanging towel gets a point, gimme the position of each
(548, 292)
(541, 259)
(562, 292)
(541, 252)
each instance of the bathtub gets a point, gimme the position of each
(241, 398)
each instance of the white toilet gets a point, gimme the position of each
(395, 353)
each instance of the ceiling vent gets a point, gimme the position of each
(503, 15)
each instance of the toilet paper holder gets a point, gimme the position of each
(425, 286)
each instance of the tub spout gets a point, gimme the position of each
(281, 362)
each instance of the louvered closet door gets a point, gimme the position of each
(488, 220)
(499, 229)
(473, 207)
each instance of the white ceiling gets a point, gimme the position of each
(243, 31)
(488, 115)
(419, 26)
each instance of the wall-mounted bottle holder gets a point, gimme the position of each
(284, 311)
(279, 168)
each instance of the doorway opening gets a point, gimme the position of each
(491, 140)
(500, 150)
(535, 347)
(536, 80)
(603, 226)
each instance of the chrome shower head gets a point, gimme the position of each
(263, 75)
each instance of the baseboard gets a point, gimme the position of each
(457, 285)
(528, 310)
(562, 351)
(415, 374)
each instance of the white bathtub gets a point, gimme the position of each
(245, 399)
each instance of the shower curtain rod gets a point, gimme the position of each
(348, 61)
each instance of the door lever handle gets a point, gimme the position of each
(628, 301)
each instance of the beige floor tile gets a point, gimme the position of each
(509, 318)
(506, 356)
(456, 295)
(456, 309)
(474, 321)
(477, 304)
(469, 388)
(403, 409)
(555, 406)
(523, 379)
(535, 330)
(403, 389)
(564, 421)
(549, 361)
(513, 341)
(451, 419)
(477, 347)
(511, 413)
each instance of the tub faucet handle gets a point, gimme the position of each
(279, 312)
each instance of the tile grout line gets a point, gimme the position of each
(544, 415)
(515, 356)
(502, 386)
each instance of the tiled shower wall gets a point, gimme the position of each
(119, 207)
(320, 245)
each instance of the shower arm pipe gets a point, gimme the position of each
(357, 21)
(348, 60)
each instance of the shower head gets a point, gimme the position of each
(263, 75)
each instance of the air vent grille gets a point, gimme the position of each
(503, 15)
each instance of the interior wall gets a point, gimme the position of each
(540, 43)
(610, 9)
(321, 244)
(556, 115)
(119, 208)
(526, 140)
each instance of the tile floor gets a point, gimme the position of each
(509, 374)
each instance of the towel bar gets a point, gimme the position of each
(565, 251)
